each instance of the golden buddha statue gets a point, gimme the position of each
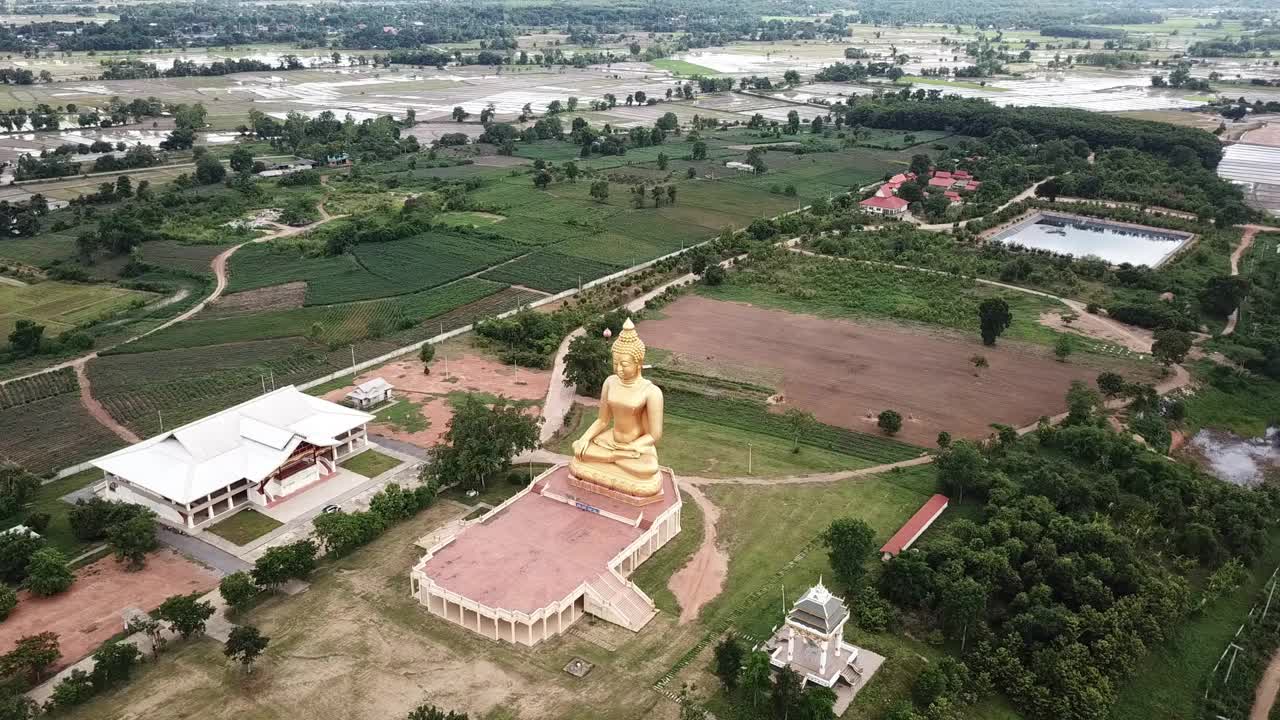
(623, 459)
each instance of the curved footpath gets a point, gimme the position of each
(1246, 241)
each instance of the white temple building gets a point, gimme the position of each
(811, 642)
(259, 452)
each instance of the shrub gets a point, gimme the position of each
(48, 573)
(75, 689)
(8, 601)
(890, 421)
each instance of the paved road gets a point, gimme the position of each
(202, 552)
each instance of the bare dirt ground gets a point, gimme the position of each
(276, 297)
(1268, 134)
(468, 372)
(1097, 327)
(846, 372)
(702, 579)
(91, 611)
(1264, 696)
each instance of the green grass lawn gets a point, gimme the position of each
(764, 528)
(244, 526)
(48, 499)
(499, 486)
(370, 463)
(680, 67)
(1246, 412)
(404, 415)
(694, 447)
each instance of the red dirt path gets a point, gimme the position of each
(846, 372)
(90, 612)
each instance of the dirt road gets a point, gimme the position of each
(702, 578)
(1264, 697)
(1246, 241)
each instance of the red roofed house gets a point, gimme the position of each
(961, 174)
(891, 206)
(942, 182)
(952, 195)
(915, 527)
(972, 185)
(941, 174)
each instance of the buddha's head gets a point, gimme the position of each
(628, 353)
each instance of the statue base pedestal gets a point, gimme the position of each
(614, 494)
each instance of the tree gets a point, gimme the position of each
(151, 627)
(8, 601)
(756, 675)
(890, 421)
(787, 689)
(663, 161)
(113, 663)
(75, 689)
(209, 170)
(132, 539)
(671, 194)
(480, 441)
(238, 590)
(31, 656)
(459, 114)
(1222, 294)
(699, 150)
(920, 164)
(426, 354)
(244, 645)
(587, 364)
(541, 179)
(994, 318)
(186, 614)
(242, 160)
(124, 187)
(799, 423)
(818, 703)
(48, 573)
(944, 439)
(16, 550)
(961, 467)
(16, 706)
(963, 601)
(283, 563)
(729, 654)
(850, 543)
(600, 190)
(1171, 346)
(1110, 384)
(17, 488)
(25, 337)
(431, 712)
(1062, 347)
(714, 275)
(1081, 403)
(571, 171)
(791, 77)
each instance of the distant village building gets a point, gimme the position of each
(370, 393)
(890, 206)
(259, 452)
(739, 166)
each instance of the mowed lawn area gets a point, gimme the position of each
(370, 463)
(48, 499)
(245, 526)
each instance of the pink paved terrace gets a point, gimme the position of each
(535, 564)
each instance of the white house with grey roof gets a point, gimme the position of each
(370, 393)
(259, 452)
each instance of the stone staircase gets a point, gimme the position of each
(622, 602)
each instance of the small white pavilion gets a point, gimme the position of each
(370, 393)
(811, 641)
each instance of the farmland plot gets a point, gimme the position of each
(550, 271)
(44, 427)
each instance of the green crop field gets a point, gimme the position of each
(342, 323)
(60, 306)
(44, 427)
(374, 270)
(680, 67)
(550, 271)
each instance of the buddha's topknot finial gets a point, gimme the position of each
(629, 342)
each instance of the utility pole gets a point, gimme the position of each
(749, 458)
(353, 363)
(161, 416)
